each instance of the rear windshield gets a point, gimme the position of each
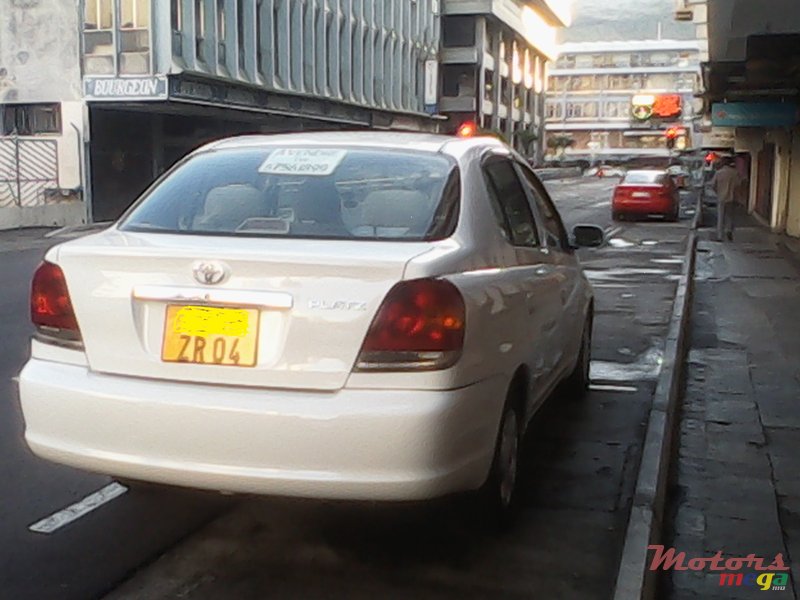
(644, 177)
(337, 193)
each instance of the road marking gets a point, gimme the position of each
(612, 232)
(596, 387)
(600, 204)
(76, 511)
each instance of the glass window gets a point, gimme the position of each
(645, 177)
(507, 192)
(134, 14)
(99, 15)
(355, 193)
(458, 31)
(554, 227)
(30, 119)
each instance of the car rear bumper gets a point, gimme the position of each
(644, 207)
(351, 444)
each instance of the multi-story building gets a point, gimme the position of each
(98, 97)
(616, 100)
(752, 95)
(494, 58)
(695, 11)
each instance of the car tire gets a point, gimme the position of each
(674, 216)
(617, 216)
(577, 383)
(496, 501)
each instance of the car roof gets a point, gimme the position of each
(401, 140)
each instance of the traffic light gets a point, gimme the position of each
(672, 136)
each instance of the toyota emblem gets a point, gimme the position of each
(210, 272)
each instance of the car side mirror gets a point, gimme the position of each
(588, 236)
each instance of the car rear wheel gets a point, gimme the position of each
(578, 381)
(617, 216)
(675, 215)
(497, 499)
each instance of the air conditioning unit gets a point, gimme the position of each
(684, 14)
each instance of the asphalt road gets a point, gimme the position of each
(579, 472)
(578, 477)
(86, 558)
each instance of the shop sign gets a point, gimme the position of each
(656, 106)
(754, 114)
(125, 88)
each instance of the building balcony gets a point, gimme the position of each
(460, 56)
(753, 50)
(458, 104)
(537, 21)
(733, 25)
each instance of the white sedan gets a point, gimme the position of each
(339, 315)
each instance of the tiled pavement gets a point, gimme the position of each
(737, 486)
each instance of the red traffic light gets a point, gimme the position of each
(467, 130)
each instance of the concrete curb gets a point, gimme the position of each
(634, 579)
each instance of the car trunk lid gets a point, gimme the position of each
(306, 305)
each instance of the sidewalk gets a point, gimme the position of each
(737, 477)
(14, 240)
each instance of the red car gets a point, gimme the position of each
(646, 193)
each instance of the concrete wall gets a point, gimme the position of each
(70, 144)
(39, 51)
(752, 141)
(783, 161)
(58, 214)
(40, 63)
(793, 210)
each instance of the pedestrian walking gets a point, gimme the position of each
(727, 183)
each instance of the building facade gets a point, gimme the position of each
(98, 97)
(752, 98)
(617, 100)
(493, 66)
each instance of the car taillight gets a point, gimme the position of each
(419, 326)
(51, 308)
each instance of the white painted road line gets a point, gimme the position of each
(76, 511)
(596, 387)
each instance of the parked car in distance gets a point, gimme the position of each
(646, 193)
(605, 171)
(339, 315)
(680, 175)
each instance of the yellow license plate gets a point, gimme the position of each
(208, 335)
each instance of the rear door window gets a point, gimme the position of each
(506, 192)
(305, 192)
(556, 234)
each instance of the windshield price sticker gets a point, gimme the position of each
(302, 161)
